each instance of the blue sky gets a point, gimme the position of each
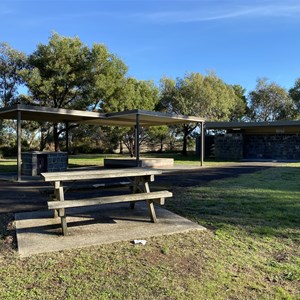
(239, 40)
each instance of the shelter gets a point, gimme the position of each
(132, 118)
(256, 140)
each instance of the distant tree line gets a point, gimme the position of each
(66, 73)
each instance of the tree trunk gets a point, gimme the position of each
(121, 146)
(184, 145)
(43, 139)
(161, 145)
(1, 130)
(131, 151)
(55, 137)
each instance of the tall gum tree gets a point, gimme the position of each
(270, 102)
(240, 109)
(65, 73)
(204, 96)
(294, 93)
(11, 63)
(131, 94)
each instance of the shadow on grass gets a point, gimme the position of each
(8, 239)
(266, 202)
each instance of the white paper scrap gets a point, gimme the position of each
(143, 242)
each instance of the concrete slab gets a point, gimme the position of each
(38, 232)
(143, 162)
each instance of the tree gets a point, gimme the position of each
(65, 73)
(294, 93)
(57, 73)
(132, 94)
(204, 96)
(11, 63)
(270, 102)
(240, 109)
(158, 134)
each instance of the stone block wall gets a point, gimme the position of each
(36, 162)
(229, 146)
(276, 146)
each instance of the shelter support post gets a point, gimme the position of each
(137, 139)
(67, 141)
(202, 144)
(19, 138)
(67, 137)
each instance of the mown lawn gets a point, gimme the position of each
(10, 165)
(98, 159)
(251, 250)
(179, 159)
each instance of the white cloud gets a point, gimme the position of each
(214, 12)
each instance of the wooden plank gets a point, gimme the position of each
(64, 227)
(152, 213)
(59, 195)
(99, 174)
(145, 186)
(59, 191)
(109, 199)
(160, 201)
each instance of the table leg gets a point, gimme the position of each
(59, 193)
(134, 190)
(150, 203)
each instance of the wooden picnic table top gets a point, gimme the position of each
(98, 174)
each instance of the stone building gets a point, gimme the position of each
(256, 140)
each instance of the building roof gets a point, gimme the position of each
(288, 127)
(125, 118)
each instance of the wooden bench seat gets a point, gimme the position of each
(140, 190)
(159, 196)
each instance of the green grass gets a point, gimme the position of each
(10, 165)
(96, 159)
(179, 159)
(88, 159)
(251, 250)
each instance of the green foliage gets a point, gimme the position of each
(204, 96)
(106, 75)
(240, 108)
(61, 73)
(270, 102)
(11, 63)
(158, 134)
(65, 73)
(86, 139)
(132, 94)
(294, 93)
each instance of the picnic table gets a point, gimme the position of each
(139, 177)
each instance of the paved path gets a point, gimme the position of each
(188, 177)
(29, 195)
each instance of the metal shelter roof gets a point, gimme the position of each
(125, 118)
(278, 127)
(131, 118)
